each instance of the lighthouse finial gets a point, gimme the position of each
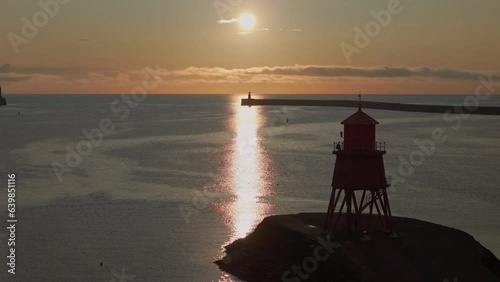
(359, 103)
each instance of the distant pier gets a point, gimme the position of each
(457, 109)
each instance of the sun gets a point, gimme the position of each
(247, 21)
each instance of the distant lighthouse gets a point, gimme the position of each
(3, 101)
(359, 185)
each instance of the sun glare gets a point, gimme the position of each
(247, 21)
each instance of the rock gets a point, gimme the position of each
(291, 248)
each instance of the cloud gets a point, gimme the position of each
(328, 71)
(14, 78)
(78, 80)
(5, 68)
(335, 71)
(374, 72)
(66, 73)
(6, 74)
(233, 20)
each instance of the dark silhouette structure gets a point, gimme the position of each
(440, 109)
(359, 183)
(3, 101)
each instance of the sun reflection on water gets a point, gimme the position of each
(246, 172)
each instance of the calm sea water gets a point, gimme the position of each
(181, 176)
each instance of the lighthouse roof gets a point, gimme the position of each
(360, 117)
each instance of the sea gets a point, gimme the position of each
(154, 187)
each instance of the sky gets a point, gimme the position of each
(294, 47)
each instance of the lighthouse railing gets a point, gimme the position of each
(358, 147)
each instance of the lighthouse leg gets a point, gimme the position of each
(384, 204)
(357, 213)
(389, 220)
(360, 209)
(331, 209)
(339, 213)
(374, 199)
(371, 212)
(348, 198)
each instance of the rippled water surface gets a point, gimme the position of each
(180, 176)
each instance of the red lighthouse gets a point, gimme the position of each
(359, 184)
